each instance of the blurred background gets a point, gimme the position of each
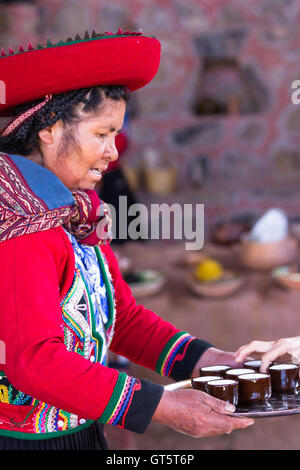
(217, 127)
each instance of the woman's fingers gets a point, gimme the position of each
(255, 346)
(219, 406)
(197, 414)
(271, 350)
(282, 346)
(225, 408)
(219, 416)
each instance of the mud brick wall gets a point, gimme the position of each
(220, 107)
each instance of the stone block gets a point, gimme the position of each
(5, 20)
(71, 18)
(293, 120)
(157, 105)
(143, 134)
(252, 132)
(287, 161)
(169, 73)
(156, 17)
(232, 17)
(18, 23)
(115, 15)
(191, 17)
(280, 20)
(239, 166)
(205, 133)
(220, 43)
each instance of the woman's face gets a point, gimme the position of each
(80, 165)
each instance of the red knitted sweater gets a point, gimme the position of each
(46, 389)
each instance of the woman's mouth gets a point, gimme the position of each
(96, 172)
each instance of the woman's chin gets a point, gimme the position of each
(84, 187)
(87, 184)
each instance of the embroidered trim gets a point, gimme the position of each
(170, 355)
(110, 292)
(16, 122)
(118, 416)
(71, 312)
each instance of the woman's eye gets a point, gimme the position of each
(102, 135)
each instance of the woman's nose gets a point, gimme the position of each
(111, 150)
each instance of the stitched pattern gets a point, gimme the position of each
(172, 355)
(77, 316)
(123, 404)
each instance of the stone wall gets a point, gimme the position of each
(235, 57)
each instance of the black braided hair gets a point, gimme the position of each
(24, 140)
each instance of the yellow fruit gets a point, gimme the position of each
(208, 270)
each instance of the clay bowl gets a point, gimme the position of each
(267, 256)
(124, 264)
(295, 229)
(287, 277)
(227, 285)
(191, 259)
(228, 233)
(144, 283)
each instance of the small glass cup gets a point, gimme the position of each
(254, 388)
(284, 377)
(200, 383)
(255, 364)
(235, 373)
(214, 370)
(224, 389)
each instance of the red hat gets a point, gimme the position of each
(129, 59)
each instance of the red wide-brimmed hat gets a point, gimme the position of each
(125, 58)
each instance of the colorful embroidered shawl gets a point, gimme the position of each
(33, 199)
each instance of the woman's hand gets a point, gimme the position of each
(197, 414)
(214, 357)
(271, 350)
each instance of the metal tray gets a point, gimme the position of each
(278, 404)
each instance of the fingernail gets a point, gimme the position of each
(229, 407)
(250, 423)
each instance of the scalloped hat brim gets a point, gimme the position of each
(128, 60)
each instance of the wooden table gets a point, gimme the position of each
(259, 310)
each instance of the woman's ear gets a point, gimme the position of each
(46, 136)
(49, 134)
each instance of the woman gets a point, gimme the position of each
(64, 302)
